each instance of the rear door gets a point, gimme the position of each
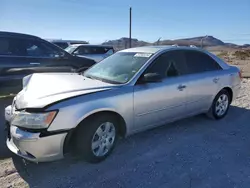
(203, 81)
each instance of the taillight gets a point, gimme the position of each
(240, 74)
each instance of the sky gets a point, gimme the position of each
(99, 20)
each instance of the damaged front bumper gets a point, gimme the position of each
(33, 146)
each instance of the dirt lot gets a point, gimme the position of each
(240, 58)
(192, 153)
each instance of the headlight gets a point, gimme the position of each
(33, 120)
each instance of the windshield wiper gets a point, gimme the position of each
(109, 81)
(102, 79)
(90, 77)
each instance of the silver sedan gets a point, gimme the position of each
(131, 91)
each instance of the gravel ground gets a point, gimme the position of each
(192, 153)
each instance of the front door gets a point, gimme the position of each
(46, 58)
(161, 102)
(14, 65)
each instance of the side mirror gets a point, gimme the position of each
(151, 77)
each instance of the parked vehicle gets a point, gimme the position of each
(22, 54)
(66, 43)
(95, 52)
(131, 91)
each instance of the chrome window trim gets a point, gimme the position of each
(134, 79)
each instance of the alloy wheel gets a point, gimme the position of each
(103, 139)
(221, 105)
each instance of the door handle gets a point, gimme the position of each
(215, 80)
(181, 87)
(34, 63)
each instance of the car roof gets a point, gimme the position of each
(92, 45)
(20, 35)
(155, 49)
(67, 41)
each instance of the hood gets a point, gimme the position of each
(40, 90)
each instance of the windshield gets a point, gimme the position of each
(70, 49)
(118, 68)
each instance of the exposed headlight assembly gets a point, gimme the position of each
(33, 120)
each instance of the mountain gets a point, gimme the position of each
(123, 43)
(246, 45)
(208, 41)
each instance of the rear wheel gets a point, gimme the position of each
(220, 105)
(97, 137)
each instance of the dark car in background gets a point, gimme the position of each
(95, 52)
(66, 43)
(22, 54)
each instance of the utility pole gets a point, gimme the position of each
(203, 40)
(130, 25)
(158, 41)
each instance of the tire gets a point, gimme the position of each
(93, 134)
(216, 112)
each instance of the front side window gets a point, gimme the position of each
(25, 48)
(118, 68)
(198, 62)
(169, 64)
(33, 48)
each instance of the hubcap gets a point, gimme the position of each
(103, 139)
(221, 105)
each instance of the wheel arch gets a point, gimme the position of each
(122, 129)
(230, 91)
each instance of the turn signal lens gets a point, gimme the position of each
(33, 120)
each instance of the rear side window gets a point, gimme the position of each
(84, 50)
(198, 62)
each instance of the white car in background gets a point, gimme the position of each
(66, 43)
(95, 52)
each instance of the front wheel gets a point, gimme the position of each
(220, 105)
(97, 137)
